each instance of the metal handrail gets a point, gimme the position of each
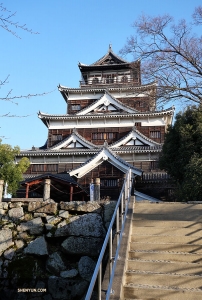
(125, 194)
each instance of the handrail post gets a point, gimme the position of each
(121, 209)
(100, 281)
(117, 227)
(110, 253)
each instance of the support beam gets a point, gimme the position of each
(1, 189)
(46, 190)
(97, 189)
(71, 192)
(27, 191)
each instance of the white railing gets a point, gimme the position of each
(121, 208)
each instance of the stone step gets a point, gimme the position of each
(167, 231)
(169, 217)
(168, 209)
(166, 224)
(166, 247)
(143, 292)
(155, 278)
(167, 256)
(164, 266)
(166, 239)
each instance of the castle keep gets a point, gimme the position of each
(111, 124)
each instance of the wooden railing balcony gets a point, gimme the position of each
(96, 82)
(156, 176)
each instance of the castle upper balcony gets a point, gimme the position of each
(109, 81)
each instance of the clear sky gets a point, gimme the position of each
(69, 31)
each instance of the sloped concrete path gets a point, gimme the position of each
(165, 253)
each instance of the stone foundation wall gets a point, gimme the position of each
(49, 250)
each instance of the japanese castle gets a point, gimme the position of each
(111, 124)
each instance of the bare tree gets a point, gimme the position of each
(170, 54)
(197, 15)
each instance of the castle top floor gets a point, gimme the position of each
(110, 70)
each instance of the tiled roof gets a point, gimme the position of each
(79, 138)
(109, 153)
(102, 89)
(63, 177)
(63, 152)
(109, 53)
(42, 115)
(116, 100)
(138, 133)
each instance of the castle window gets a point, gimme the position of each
(108, 182)
(39, 168)
(155, 134)
(110, 78)
(135, 74)
(124, 79)
(103, 135)
(76, 107)
(56, 137)
(154, 165)
(95, 80)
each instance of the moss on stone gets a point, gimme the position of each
(26, 268)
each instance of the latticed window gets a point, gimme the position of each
(124, 79)
(103, 135)
(76, 107)
(40, 168)
(154, 165)
(95, 80)
(56, 137)
(155, 134)
(109, 182)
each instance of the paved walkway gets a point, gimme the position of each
(165, 253)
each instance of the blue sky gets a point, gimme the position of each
(69, 31)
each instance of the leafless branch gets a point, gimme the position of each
(170, 54)
(8, 24)
(197, 15)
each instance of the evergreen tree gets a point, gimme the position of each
(182, 154)
(10, 171)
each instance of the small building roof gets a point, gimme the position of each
(105, 154)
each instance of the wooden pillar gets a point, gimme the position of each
(1, 189)
(71, 192)
(46, 189)
(27, 191)
(97, 189)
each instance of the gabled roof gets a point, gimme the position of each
(135, 138)
(62, 177)
(75, 140)
(107, 103)
(110, 58)
(105, 154)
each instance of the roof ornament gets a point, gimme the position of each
(110, 47)
(105, 144)
(134, 128)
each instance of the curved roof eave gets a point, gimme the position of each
(101, 89)
(44, 116)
